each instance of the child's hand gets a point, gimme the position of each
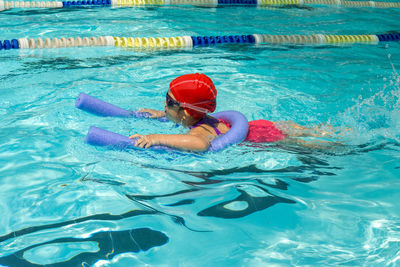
(145, 141)
(154, 114)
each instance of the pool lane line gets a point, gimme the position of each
(5, 4)
(185, 42)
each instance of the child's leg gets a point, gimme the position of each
(313, 144)
(293, 129)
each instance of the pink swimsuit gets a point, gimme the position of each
(263, 131)
(260, 131)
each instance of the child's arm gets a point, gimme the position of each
(191, 142)
(154, 114)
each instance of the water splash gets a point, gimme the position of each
(375, 117)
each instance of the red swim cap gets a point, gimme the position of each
(196, 94)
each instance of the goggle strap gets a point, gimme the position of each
(196, 108)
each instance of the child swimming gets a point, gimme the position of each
(188, 101)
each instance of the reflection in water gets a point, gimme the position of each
(249, 195)
(313, 165)
(110, 244)
(245, 201)
(101, 181)
(95, 217)
(182, 202)
(253, 204)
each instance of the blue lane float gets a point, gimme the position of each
(9, 44)
(387, 37)
(210, 40)
(100, 137)
(91, 3)
(237, 2)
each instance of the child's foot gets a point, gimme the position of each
(325, 131)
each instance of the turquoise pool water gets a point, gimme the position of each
(63, 202)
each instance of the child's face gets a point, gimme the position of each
(172, 109)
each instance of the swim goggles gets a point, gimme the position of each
(171, 102)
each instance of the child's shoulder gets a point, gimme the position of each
(209, 125)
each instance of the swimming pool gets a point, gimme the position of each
(65, 202)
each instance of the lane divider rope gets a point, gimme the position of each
(5, 4)
(184, 42)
